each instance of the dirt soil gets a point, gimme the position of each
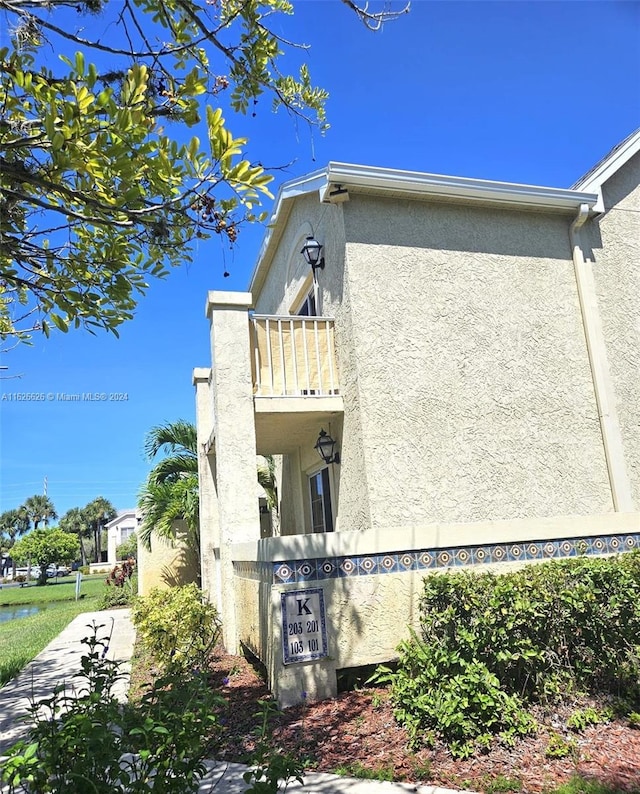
(357, 730)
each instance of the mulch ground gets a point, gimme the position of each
(357, 731)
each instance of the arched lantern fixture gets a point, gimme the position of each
(311, 251)
(325, 447)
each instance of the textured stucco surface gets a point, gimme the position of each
(251, 615)
(167, 564)
(462, 360)
(615, 254)
(283, 287)
(235, 442)
(368, 615)
(288, 271)
(208, 497)
(475, 390)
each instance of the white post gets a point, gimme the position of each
(208, 497)
(235, 439)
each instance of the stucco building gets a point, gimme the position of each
(119, 529)
(472, 347)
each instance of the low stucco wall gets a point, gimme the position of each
(166, 565)
(371, 583)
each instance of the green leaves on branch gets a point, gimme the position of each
(177, 627)
(45, 547)
(99, 192)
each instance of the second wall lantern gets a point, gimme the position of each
(325, 447)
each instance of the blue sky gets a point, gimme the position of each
(532, 92)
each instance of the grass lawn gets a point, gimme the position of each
(23, 638)
(90, 587)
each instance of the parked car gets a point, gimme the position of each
(60, 570)
(21, 573)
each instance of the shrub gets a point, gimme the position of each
(490, 644)
(559, 747)
(176, 626)
(84, 741)
(582, 718)
(121, 586)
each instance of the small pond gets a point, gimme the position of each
(11, 613)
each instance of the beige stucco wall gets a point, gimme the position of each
(615, 255)
(166, 565)
(368, 615)
(285, 283)
(288, 272)
(463, 366)
(475, 391)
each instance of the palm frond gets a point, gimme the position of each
(174, 468)
(162, 504)
(179, 436)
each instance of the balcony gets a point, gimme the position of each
(295, 379)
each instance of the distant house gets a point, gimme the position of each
(471, 347)
(120, 529)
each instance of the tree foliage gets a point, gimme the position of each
(75, 522)
(45, 547)
(13, 523)
(39, 509)
(170, 493)
(104, 183)
(87, 523)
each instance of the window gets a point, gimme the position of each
(321, 514)
(125, 533)
(308, 307)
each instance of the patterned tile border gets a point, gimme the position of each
(313, 570)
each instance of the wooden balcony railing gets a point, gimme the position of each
(293, 356)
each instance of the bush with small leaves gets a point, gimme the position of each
(492, 644)
(177, 626)
(84, 741)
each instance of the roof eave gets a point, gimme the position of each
(415, 184)
(484, 190)
(593, 180)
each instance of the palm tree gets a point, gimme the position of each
(267, 480)
(40, 510)
(76, 522)
(14, 523)
(162, 504)
(179, 441)
(171, 490)
(98, 513)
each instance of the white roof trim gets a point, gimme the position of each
(289, 190)
(415, 183)
(606, 168)
(122, 515)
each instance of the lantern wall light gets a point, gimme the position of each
(325, 447)
(312, 251)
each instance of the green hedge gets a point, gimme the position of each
(490, 644)
(177, 626)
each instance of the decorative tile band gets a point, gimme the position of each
(312, 570)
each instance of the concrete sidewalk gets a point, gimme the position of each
(60, 662)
